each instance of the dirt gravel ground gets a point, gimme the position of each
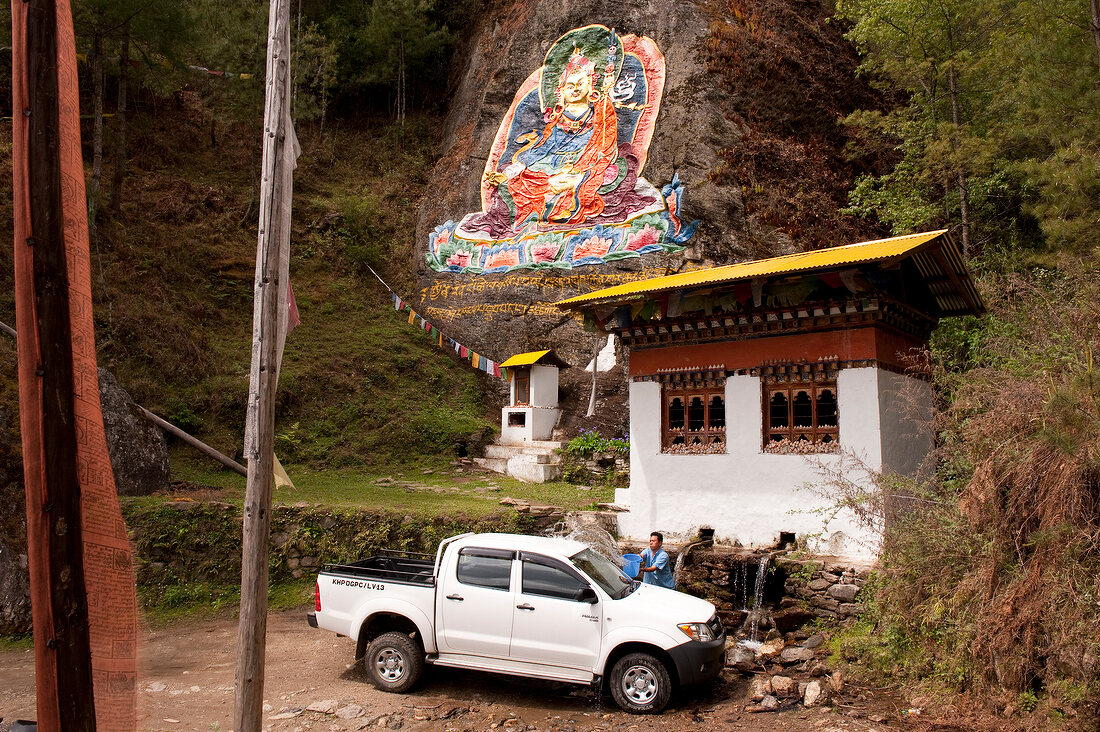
(186, 683)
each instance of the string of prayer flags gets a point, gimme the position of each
(476, 360)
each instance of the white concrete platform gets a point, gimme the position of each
(534, 461)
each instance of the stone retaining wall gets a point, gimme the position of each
(794, 590)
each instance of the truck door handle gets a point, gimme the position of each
(525, 606)
(460, 598)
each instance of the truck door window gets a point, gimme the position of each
(545, 578)
(485, 568)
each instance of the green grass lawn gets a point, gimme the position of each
(423, 489)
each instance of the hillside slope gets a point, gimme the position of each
(174, 267)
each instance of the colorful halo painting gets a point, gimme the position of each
(562, 186)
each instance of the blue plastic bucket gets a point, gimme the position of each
(632, 563)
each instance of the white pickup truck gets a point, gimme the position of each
(533, 606)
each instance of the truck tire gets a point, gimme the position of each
(393, 662)
(640, 684)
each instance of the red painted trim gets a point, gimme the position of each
(850, 344)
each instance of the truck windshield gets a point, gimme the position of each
(603, 572)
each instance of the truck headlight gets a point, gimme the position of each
(697, 631)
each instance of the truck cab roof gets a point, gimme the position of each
(519, 542)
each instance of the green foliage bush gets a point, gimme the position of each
(589, 442)
(990, 578)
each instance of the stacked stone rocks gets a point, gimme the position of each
(787, 670)
(831, 591)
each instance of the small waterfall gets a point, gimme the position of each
(758, 595)
(740, 587)
(679, 566)
(682, 556)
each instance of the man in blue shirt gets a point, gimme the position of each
(655, 563)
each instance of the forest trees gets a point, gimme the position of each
(1000, 137)
(386, 43)
(157, 31)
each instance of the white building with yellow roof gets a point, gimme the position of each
(766, 394)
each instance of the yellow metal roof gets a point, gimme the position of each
(525, 359)
(934, 254)
(546, 358)
(869, 251)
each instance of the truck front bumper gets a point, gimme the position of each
(698, 662)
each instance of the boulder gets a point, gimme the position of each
(769, 650)
(812, 694)
(758, 688)
(814, 641)
(139, 453)
(740, 658)
(791, 656)
(783, 686)
(791, 618)
(843, 593)
(825, 603)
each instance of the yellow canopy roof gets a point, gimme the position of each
(936, 256)
(547, 357)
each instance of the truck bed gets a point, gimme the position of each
(410, 567)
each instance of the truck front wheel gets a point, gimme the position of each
(640, 684)
(393, 662)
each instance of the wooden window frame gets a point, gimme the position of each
(816, 433)
(523, 389)
(708, 435)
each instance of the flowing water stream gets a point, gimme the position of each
(753, 620)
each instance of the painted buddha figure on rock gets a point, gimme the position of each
(561, 184)
(556, 177)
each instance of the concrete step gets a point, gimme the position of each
(497, 465)
(533, 472)
(544, 446)
(507, 452)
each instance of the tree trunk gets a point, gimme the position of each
(120, 122)
(97, 129)
(1096, 33)
(401, 82)
(960, 175)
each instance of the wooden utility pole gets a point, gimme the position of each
(280, 150)
(55, 551)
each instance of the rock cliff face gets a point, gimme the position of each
(503, 314)
(508, 313)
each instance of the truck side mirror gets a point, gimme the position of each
(586, 594)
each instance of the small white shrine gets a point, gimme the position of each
(532, 411)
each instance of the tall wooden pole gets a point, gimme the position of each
(55, 553)
(280, 150)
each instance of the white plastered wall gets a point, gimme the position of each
(905, 412)
(544, 386)
(747, 495)
(538, 424)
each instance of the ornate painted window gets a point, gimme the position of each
(694, 418)
(801, 412)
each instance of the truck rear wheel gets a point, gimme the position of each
(393, 662)
(640, 684)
